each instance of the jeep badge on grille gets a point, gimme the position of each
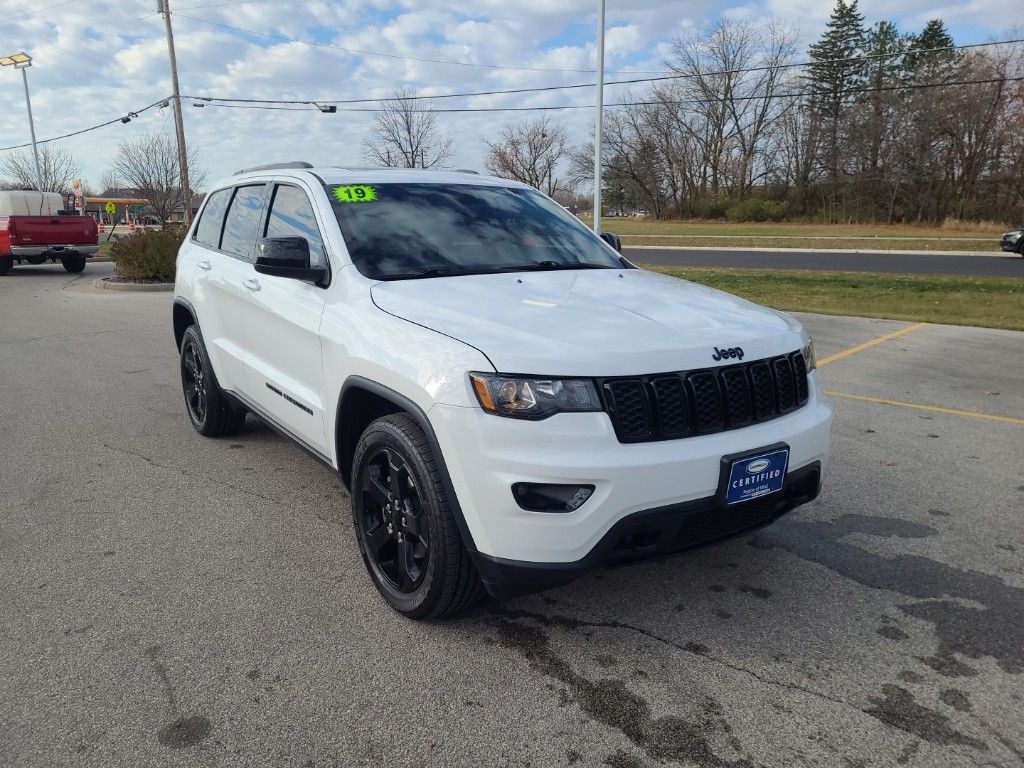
(723, 354)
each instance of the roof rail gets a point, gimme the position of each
(467, 170)
(294, 165)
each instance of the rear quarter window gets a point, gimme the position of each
(212, 220)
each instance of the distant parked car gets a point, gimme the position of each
(33, 229)
(1013, 241)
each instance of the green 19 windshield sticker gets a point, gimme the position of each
(355, 193)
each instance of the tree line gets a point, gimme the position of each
(876, 126)
(871, 125)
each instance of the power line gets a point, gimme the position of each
(358, 52)
(37, 11)
(123, 119)
(290, 105)
(634, 81)
(680, 102)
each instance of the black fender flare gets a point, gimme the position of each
(420, 417)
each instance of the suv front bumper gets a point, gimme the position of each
(672, 480)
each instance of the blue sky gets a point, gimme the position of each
(96, 60)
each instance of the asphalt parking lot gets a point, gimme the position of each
(170, 600)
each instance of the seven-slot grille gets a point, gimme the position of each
(665, 406)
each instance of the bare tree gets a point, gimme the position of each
(58, 167)
(149, 165)
(108, 181)
(530, 152)
(406, 135)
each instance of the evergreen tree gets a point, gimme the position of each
(884, 47)
(923, 60)
(832, 76)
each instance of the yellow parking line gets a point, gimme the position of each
(869, 344)
(932, 408)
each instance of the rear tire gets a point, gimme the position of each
(208, 408)
(6, 264)
(405, 525)
(73, 264)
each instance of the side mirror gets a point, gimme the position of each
(287, 257)
(613, 240)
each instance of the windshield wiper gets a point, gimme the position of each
(547, 265)
(429, 272)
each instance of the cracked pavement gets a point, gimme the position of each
(170, 600)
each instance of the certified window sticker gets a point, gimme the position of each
(355, 193)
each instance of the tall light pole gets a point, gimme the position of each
(23, 61)
(163, 6)
(599, 116)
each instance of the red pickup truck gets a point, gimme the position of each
(33, 230)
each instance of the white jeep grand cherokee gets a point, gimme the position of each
(509, 401)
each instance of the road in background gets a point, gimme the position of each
(980, 265)
(170, 600)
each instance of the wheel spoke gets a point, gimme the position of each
(377, 490)
(420, 550)
(395, 466)
(405, 580)
(377, 538)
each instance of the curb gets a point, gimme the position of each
(105, 284)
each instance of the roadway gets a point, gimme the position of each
(920, 263)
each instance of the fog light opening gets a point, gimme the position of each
(539, 497)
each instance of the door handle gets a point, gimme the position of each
(252, 285)
(204, 264)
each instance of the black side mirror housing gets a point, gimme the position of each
(288, 257)
(613, 240)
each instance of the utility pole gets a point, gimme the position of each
(599, 117)
(163, 6)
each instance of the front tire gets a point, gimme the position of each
(73, 264)
(6, 264)
(209, 409)
(405, 525)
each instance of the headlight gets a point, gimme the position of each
(809, 358)
(524, 397)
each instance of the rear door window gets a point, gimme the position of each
(242, 224)
(291, 215)
(212, 221)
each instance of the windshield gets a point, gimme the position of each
(405, 231)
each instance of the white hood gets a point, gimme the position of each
(590, 322)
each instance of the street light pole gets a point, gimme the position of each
(179, 124)
(32, 128)
(23, 61)
(599, 117)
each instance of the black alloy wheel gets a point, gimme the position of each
(210, 410)
(394, 532)
(404, 522)
(194, 380)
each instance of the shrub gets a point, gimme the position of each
(148, 255)
(710, 207)
(754, 209)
